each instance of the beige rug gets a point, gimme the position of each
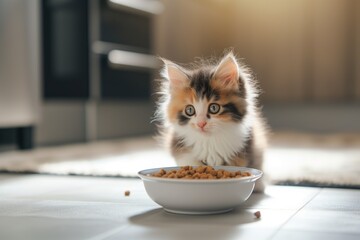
(292, 158)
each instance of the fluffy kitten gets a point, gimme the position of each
(210, 116)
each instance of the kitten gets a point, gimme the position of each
(209, 115)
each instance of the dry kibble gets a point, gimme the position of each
(226, 174)
(201, 172)
(200, 169)
(127, 193)
(208, 169)
(257, 214)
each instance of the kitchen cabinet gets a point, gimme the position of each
(79, 36)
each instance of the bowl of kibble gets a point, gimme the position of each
(199, 189)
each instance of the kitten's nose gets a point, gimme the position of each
(201, 124)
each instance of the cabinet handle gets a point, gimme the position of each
(121, 59)
(145, 6)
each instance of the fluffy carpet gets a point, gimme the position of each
(291, 159)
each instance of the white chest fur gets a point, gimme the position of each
(215, 148)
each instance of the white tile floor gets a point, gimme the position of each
(69, 207)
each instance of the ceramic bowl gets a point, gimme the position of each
(198, 196)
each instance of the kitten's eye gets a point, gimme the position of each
(189, 110)
(214, 108)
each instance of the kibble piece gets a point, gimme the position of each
(213, 172)
(246, 174)
(257, 214)
(203, 176)
(127, 193)
(226, 174)
(200, 169)
(208, 169)
(172, 175)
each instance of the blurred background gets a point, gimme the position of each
(74, 71)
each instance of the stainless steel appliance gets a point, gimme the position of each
(19, 69)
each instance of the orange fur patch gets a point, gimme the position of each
(179, 100)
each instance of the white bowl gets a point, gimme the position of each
(197, 196)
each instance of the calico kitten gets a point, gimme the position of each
(209, 115)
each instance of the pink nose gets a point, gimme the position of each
(201, 124)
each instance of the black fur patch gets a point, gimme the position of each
(200, 81)
(182, 118)
(230, 108)
(242, 90)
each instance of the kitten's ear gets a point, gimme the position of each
(176, 76)
(227, 73)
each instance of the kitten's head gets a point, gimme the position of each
(207, 98)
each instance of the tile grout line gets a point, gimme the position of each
(296, 212)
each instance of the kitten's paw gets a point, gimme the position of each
(214, 162)
(204, 162)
